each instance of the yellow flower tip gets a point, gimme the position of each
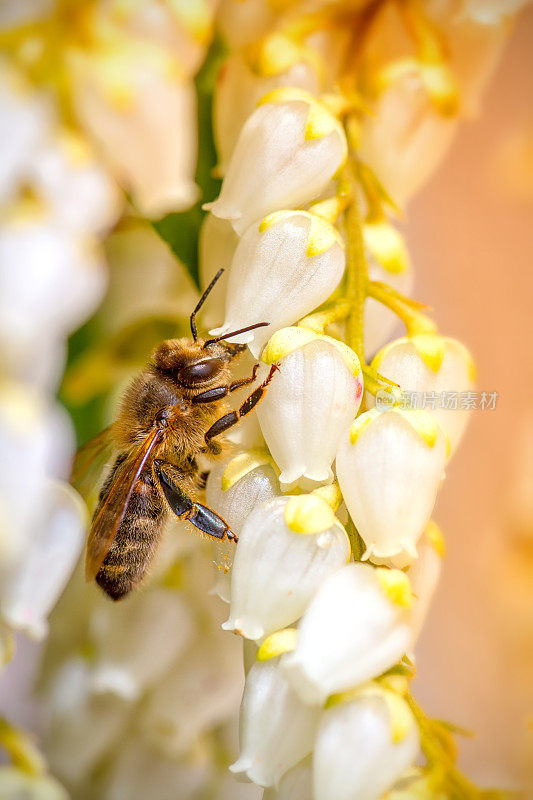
(286, 340)
(401, 718)
(322, 236)
(442, 88)
(431, 348)
(277, 644)
(434, 536)
(386, 245)
(287, 94)
(242, 464)
(320, 122)
(361, 424)
(308, 514)
(399, 684)
(270, 220)
(331, 494)
(425, 424)
(396, 585)
(275, 54)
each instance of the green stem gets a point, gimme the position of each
(356, 274)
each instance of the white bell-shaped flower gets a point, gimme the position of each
(288, 150)
(283, 268)
(362, 746)
(287, 547)
(356, 627)
(380, 321)
(133, 102)
(276, 728)
(296, 784)
(32, 586)
(239, 89)
(435, 372)
(389, 467)
(126, 640)
(234, 490)
(424, 574)
(216, 247)
(313, 399)
(37, 256)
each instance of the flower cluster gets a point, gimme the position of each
(332, 498)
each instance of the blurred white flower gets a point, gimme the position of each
(389, 466)
(287, 547)
(358, 753)
(436, 368)
(282, 269)
(287, 151)
(239, 88)
(313, 399)
(198, 693)
(355, 628)
(129, 635)
(16, 783)
(277, 730)
(141, 113)
(235, 489)
(33, 584)
(424, 574)
(216, 246)
(50, 280)
(35, 442)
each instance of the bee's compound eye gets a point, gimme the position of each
(199, 372)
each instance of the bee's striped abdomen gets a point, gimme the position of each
(134, 545)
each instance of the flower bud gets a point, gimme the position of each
(33, 585)
(313, 399)
(435, 368)
(362, 746)
(234, 490)
(286, 548)
(356, 627)
(296, 784)
(287, 151)
(238, 91)
(380, 321)
(283, 268)
(276, 729)
(389, 466)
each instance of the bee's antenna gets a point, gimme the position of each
(200, 303)
(234, 333)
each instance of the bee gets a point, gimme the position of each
(170, 414)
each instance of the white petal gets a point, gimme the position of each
(277, 729)
(389, 478)
(403, 363)
(34, 584)
(234, 505)
(274, 166)
(239, 89)
(17, 783)
(273, 279)
(424, 574)
(306, 410)
(355, 756)
(351, 633)
(216, 247)
(276, 571)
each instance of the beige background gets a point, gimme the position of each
(470, 233)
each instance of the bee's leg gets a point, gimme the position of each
(212, 395)
(185, 508)
(230, 419)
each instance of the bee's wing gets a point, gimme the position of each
(111, 513)
(89, 462)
